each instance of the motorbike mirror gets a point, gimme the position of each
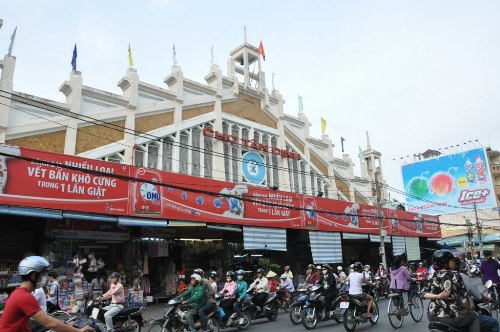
(488, 284)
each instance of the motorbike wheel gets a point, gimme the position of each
(286, 306)
(296, 315)
(349, 320)
(375, 314)
(247, 316)
(273, 315)
(213, 325)
(131, 325)
(336, 316)
(375, 295)
(309, 321)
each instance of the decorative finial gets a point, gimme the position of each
(174, 55)
(12, 38)
(368, 146)
(245, 33)
(212, 56)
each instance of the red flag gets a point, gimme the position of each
(261, 51)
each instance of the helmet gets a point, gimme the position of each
(32, 264)
(351, 266)
(310, 267)
(420, 263)
(441, 257)
(196, 277)
(381, 264)
(199, 272)
(339, 268)
(115, 275)
(367, 266)
(240, 272)
(318, 267)
(283, 276)
(358, 266)
(271, 274)
(486, 253)
(260, 270)
(327, 267)
(230, 274)
(287, 267)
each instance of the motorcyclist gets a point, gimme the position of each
(22, 305)
(285, 281)
(194, 296)
(117, 296)
(210, 303)
(273, 283)
(341, 274)
(241, 293)
(312, 277)
(381, 271)
(329, 285)
(367, 273)
(448, 294)
(229, 292)
(261, 288)
(487, 323)
(356, 281)
(489, 270)
(422, 272)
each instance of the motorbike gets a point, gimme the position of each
(269, 310)
(300, 297)
(314, 309)
(474, 271)
(232, 320)
(283, 297)
(128, 319)
(174, 318)
(381, 288)
(356, 312)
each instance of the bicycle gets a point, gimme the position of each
(397, 309)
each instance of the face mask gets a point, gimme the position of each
(325, 271)
(240, 277)
(42, 282)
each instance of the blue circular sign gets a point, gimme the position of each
(253, 168)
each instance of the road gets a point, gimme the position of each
(283, 322)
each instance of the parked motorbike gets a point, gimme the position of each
(129, 319)
(297, 305)
(269, 310)
(314, 309)
(174, 318)
(231, 319)
(356, 312)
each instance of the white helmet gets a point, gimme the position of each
(32, 264)
(196, 277)
(339, 268)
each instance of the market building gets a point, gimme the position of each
(211, 174)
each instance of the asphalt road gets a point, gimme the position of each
(283, 322)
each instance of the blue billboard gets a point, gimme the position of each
(449, 184)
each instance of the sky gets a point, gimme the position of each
(415, 74)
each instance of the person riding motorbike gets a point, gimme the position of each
(329, 283)
(487, 323)
(21, 304)
(489, 270)
(312, 277)
(261, 288)
(367, 273)
(241, 293)
(356, 281)
(210, 304)
(400, 277)
(448, 295)
(117, 296)
(288, 273)
(273, 283)
(422, 272)
(341, 274)
(381, 271)
(228, 292)
(194, 296)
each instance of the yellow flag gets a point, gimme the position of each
(130, 59)
(323, 126)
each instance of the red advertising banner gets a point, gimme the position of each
(85, 185)
(33, 182)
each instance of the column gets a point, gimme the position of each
(72, 89)
(6, 87)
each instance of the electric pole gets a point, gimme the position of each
(469, 235)
(479, 228)
(380, 222)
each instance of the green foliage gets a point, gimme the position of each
(266, 264)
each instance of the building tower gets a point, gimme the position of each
(373, 160)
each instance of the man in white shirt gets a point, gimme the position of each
(356, 280)
(261, 288)
(40, 297)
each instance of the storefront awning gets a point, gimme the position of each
(326, 247)
(126, 221)
(262, 238)
(398, 245)
(354, 236)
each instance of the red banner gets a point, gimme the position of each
(175, 196)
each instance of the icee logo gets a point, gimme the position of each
(468, 197)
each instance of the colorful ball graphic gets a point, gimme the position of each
(418, 187)
(442, 184)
